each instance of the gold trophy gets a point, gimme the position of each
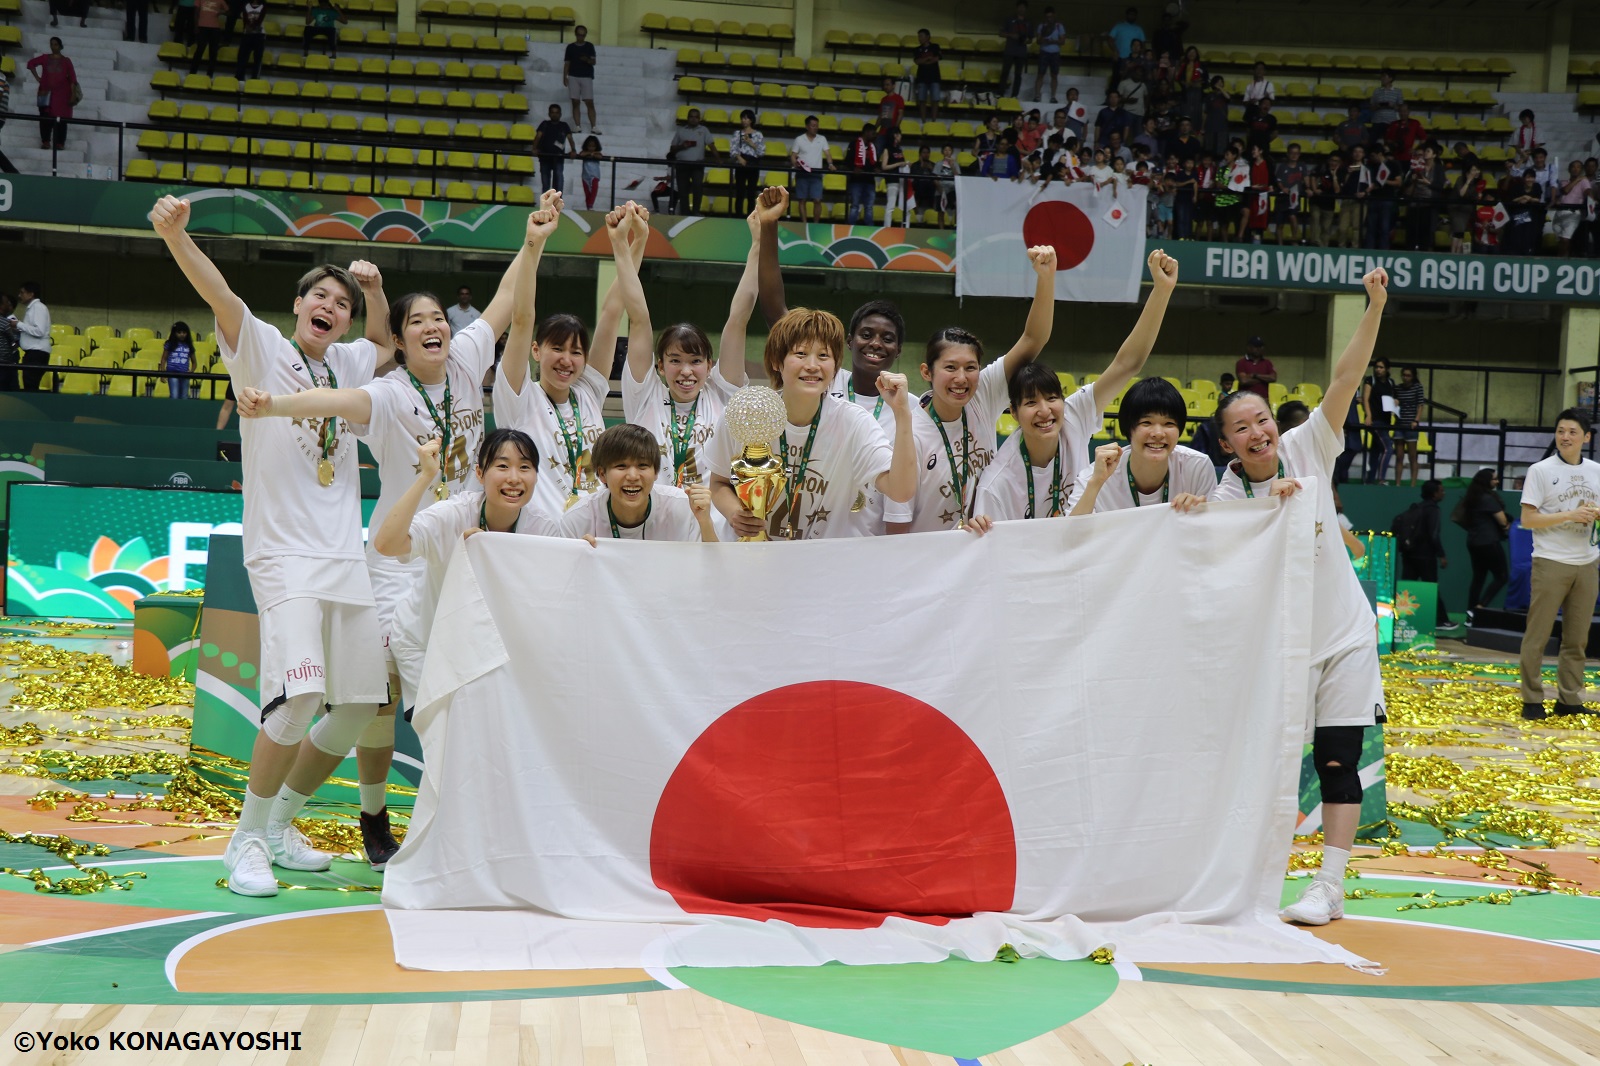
(755, 417)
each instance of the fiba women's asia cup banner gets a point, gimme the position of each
(1061, 735)
(1098, 235)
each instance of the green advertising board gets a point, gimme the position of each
(1415, 613)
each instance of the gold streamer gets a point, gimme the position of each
(1102, 956)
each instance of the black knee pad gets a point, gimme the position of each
(1339, 744)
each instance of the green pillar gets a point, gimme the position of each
(1580, 346)
(1344, 314)
(606, 273)
(805, 28)
(406, 16)
(610, 29)
(1560, 50)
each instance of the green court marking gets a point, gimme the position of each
(1548, 916)
(1548, 994)
(958, 1008)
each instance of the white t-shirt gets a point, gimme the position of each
(1257, 91)
(1554, 485)
(401, 422)
(1187, 471)
(879, 508)
(460, 317)
(1341, 616)
(670, 517)
(811, 150)
(533, 412)
(847, 458)
(934, 507)
(435, 533)
(307, 530)
(647, 403)
(1002, 492)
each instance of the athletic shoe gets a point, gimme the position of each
(249, 864)
(1321, 903)
(292, 851)
(377, 839)
(1570, 708)
(1532, 711)
(1452, 632)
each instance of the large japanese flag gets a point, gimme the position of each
(1098, 259)
(1062, 735)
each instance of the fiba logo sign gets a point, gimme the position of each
(180, 480)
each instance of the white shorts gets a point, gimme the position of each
(391, 587)
(407, 653)
(312, 645)
(580, 89)
(1346, 688)
(1565, 224)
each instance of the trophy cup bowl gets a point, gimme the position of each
(755, 417)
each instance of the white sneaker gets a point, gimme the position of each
(1319, 904)
(292, 851)
(249, 864)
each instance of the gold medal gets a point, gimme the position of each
(571, 501)
(961, 523)
(861, 502)
(325, 472)
(441, 491)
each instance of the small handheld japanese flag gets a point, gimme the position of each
(1239, 178)
(1500, 217)
(1078, 113)
(1115, 214)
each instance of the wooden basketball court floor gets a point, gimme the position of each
(1483, 964)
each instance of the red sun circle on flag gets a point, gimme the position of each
(1062, 226)
(834, 804)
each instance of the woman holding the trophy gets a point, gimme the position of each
(563, 411)
(831, 450)
(680, 397)
(955, 432)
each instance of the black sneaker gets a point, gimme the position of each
(1570, 708)
(1530, 711)
(376, 838)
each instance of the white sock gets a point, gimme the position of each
(285, 807)
(373, 797)
(1334, 861)
(254, 813)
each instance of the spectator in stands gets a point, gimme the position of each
(1132, 90)
(177, 357)
(809, 155)
(924, 186)
(1378, 408)
(896, 169)
(1483, 514)
(1409, 396)
(321, 16)
(577, 74)
(892, 107)
(1257, 201)
(1422, 188)
(1322, 199)
(1111, 119)
(34, 332)
(10, 344)
(462, 314)
(136, 20)
(1465, 193)
(1404, 136)
(690, 144)
(1190, 81)
(1185, 184)
(1148, 138)
(1261, 129)
(1526, 208)
(1546, 173)
(746, 148)
(552, 153)
(1417, 536)
(1290, 177)
(1183, 143)
(1259, 90)
(67, 7)
(1214, 133)
(5, 108)
(1584, 241)
(209, 17)
(1384, 105)
(58, 81)
(1051, 34)
(1227, 384)
(926, 88)
(1355, 185)
(861, 187)
(987, 140)
(1254, 370)
(1122, 36)
(1117, 150)
(1016, 32)
(252, 40)
(590, 156)
(1527, 134)
(1383, 189)
(1351, 131)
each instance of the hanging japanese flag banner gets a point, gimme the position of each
(646, 754)
(1115, 215)
(1096, 259)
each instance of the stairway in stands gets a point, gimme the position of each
(1562, 130)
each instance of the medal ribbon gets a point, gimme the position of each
(574, 442)
(616, 530)
(797, 475)
(443, 426)
(1133, 489)
(958, 478)
(330, 426)
(850, 387)
(681, 444)
(1055, 482)
(1249, 491)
